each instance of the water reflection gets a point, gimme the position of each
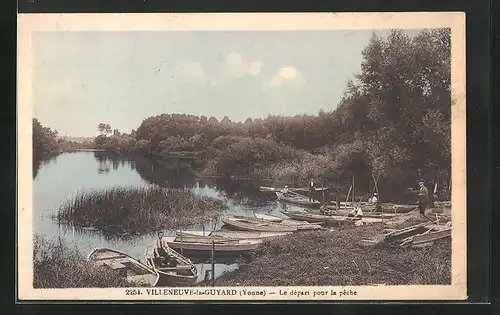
(59, 179)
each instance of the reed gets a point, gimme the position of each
(138, 209)
(57, 265)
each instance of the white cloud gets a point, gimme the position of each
(286, 76)
(237, 66)
(193, 71)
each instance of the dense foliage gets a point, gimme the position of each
(393, 122)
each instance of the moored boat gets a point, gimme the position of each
(132, 270)
(394, 208)
(340, 220)
(233, 234)
(173, 268)
(298, 200)
(266, 217)
(204, 245)
(305, 216)
(249, 224)
(430, 237)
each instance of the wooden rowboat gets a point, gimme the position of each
(249, 224)
(233, 234)
(304, 216)
(266, 217)
(393, 208)
(303, 225)
(298, 200)
(205, 245)
(132, 270)
(173, 268)
(301, 189)
(430, 237)
(375, 215)
(340, 220)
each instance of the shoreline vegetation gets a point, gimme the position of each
(138, 209)
(404, 84)
(336, 258)
(58, 265)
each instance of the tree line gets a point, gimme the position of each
(393, 123)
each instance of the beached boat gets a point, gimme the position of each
(305, 216)
(266, 217)
(375, 215)
(298, 200)
(430, 237)
(301, 189)
(173, 268)
(132, 270)
(233, 234)
(303, 225)
(249, 224)
(394, 208)
(204, 245)
(340, 220)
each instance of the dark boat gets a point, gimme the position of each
(297, 200)
(173, 268)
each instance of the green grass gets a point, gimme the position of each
(335, 258)
(57, 265)
(137, 210)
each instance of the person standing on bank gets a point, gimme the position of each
(311, 190)
(423, 198)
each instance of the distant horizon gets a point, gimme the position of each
(121, 78)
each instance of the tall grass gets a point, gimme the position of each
(138, 209)
(57, 265)
(335, 258)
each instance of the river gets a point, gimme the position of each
(60, 178)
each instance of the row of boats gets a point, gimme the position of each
(294, 196)
(166, 261)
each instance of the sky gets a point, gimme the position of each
(82, 79)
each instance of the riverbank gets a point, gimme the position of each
(336, 258)
(138, 209)
(57, 265)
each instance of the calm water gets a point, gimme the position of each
(60, 178)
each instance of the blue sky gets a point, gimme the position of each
(85, 78)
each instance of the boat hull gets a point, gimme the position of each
(132, 270)
(184, 273)
(254, 225)
(431, 237)
(236, 246)
(234, 234)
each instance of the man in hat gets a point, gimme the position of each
(312, 190)
(423, 198)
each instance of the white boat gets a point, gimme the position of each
(232, 234)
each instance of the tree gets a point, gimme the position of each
(104, 128)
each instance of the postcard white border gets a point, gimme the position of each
(29, 23)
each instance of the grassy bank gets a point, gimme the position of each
(139, 209)
(57, 265)
(335, 258)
